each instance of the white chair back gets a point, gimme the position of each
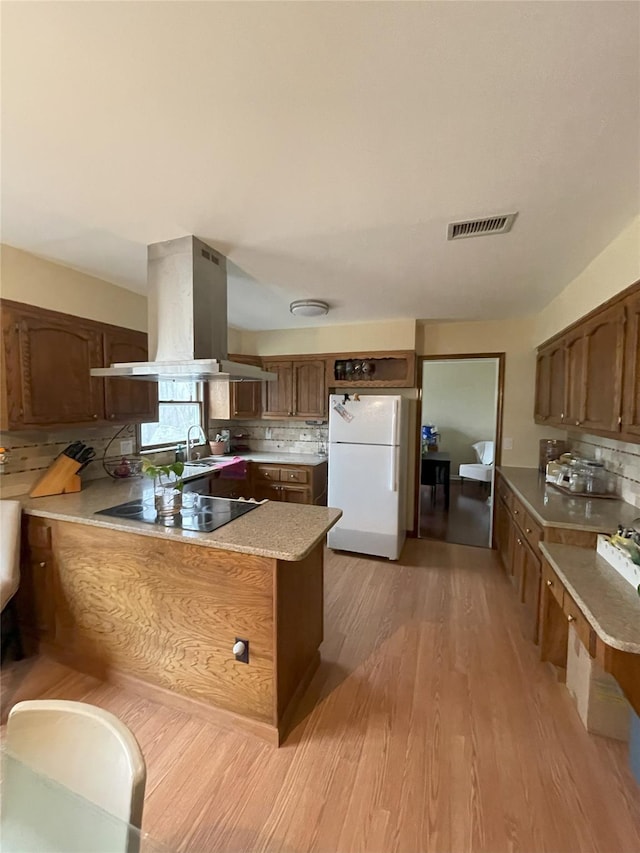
(84, 748)
(484, 452)
(10, 512)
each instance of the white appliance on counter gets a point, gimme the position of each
(367, 469)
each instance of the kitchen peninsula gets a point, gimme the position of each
(162, 607)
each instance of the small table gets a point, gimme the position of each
(435, 470)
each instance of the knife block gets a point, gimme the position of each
(60, 478)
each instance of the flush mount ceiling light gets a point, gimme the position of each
(309, 308)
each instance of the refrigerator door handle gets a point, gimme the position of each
(394, 423)
(393, 479)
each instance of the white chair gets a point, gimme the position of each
(482, 470)
(83, 748)
(10, 512)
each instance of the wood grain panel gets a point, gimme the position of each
(168, 613)
(298, 627)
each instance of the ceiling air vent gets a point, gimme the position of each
(479, 227)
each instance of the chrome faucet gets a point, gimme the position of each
(190, 454)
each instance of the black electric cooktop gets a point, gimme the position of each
(208, 515)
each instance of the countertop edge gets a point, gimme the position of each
(633, 648)
(191, 537)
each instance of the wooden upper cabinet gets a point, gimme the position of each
(299, 391)
(125, 399)
(241, 400)
(46, 380)
(575, 378)
(278, 397)
(631, 388)
(550, 385)
(603, 354)
(591, 372)
(310, 389)
(47, 364)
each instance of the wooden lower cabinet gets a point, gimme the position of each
(301, 484)
(124, 606)
(517, 537)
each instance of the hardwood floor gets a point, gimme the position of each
(466, 522)
(430, 726)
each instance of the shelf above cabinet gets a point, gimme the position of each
(372, 370)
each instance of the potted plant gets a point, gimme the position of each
(167, 486)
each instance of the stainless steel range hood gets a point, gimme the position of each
(187, 302)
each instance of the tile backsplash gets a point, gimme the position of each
(283, 436)
(30, 453)
(620, 458)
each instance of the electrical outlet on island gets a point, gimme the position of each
(126, 447)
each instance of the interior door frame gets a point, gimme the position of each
(501, 357)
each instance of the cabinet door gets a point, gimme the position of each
(245, 397)
(310, 389)
(47, 372)
(127, 400)
(531, 580)
(575, 378)
(295, 494)
(502, 532)
(557, 381)
(519, 554)
(543, 387)
(278, 397)
(631, 393)
(603, 352)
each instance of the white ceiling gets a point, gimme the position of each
(324, 147)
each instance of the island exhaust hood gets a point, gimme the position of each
(187, 319)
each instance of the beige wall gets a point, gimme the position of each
(611, 271)
(26, 278)
(515, 338)
(394, 335)
(459, 397)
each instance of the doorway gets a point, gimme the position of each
(459, 445)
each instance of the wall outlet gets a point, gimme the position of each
(267, 433)
(507, 444)
(126, 447)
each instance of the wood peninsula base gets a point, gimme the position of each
(165, 615)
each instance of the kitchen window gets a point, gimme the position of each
(180, 405)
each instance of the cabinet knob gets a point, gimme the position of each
(42, 564)
(549, 583)
(516, 512)
(238, 648)
(571, 618)
(528, 530)
(519, 541)
(111, 417)
(95, 417)
(562, 416)
(577, 423)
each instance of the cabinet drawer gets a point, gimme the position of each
(518, 511)
(551, 581)
(294, 475)
(268, 472)
(576, 618)
(532, 531)
(38, 533)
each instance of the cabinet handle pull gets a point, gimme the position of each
(571, 618)
(549, 583)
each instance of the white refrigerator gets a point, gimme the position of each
(367, 466)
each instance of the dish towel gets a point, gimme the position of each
(10, 512)
(235, 470)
